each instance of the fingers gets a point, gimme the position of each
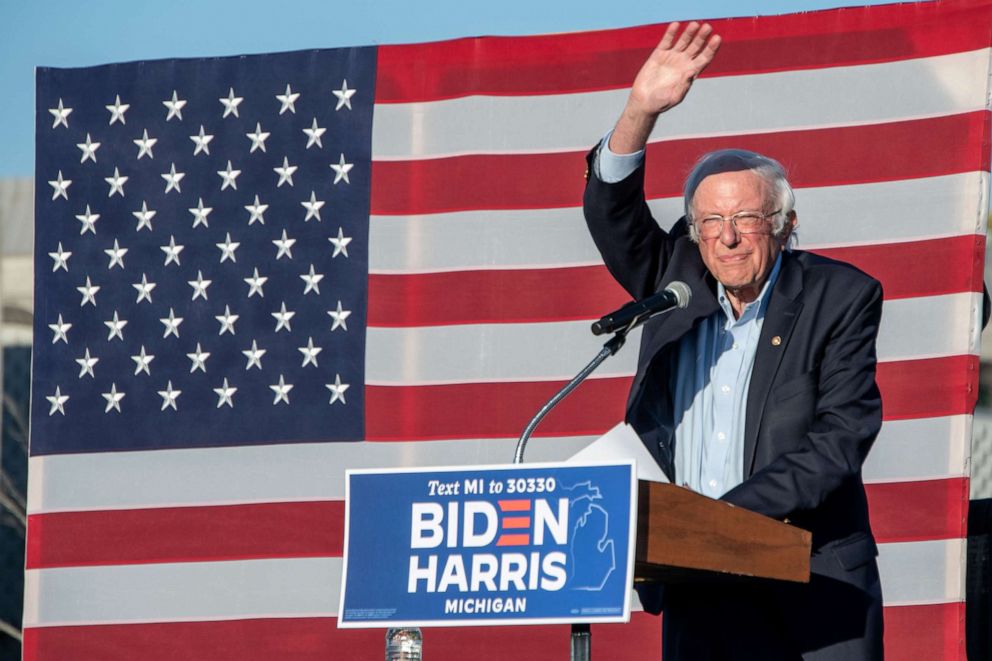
(687, 36)
(669, 37)
(699, 41)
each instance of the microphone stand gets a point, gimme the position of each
(581, 639)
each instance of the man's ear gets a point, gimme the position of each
(791, 223)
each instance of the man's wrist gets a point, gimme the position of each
(612, 167)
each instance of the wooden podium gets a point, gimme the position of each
(684, 536)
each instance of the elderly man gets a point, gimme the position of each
(762, 392)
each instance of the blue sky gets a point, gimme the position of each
(68, 33)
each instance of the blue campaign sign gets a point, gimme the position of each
(517, 544)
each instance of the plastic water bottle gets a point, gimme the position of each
(404, 645)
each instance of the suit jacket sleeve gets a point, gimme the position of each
(635, 249)
(847, 418)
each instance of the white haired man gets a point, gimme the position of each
(762, 392)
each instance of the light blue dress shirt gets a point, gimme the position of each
(710, 384)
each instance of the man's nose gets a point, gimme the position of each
(729, 235)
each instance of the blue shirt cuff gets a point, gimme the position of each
(611, 167)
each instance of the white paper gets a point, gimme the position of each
(621, 442)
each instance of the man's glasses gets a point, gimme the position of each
(745, 222)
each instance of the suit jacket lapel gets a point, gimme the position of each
(780, 319)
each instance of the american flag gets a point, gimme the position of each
(399, 274)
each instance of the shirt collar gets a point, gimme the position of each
(755, 308)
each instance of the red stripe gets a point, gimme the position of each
(514, 505)
(907, 270)
(513, 540)
(185, 534)
(900, 512)
(609, 59)
(587, 292)
(910, 389)
(911, 633)
(928, 388)
(813, 157)
(918, 511)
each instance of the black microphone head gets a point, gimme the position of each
(682, 293)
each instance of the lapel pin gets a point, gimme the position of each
(777, 340)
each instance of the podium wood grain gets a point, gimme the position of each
(682, 535)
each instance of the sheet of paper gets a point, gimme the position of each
(622, 442)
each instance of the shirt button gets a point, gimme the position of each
(735, 345)
(721, 436)
(725, 389)
(713, 483)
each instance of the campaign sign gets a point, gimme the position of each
(517, 544)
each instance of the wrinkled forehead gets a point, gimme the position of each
(731, 191)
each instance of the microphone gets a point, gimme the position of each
(676, 295)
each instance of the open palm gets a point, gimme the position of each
(668, 73)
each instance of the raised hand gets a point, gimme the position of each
(663, 82)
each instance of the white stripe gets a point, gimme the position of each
(905, 450)
(475, 353)
(729, 105)
(189, 591)
(922, 572)
(912, 573)
(923, 449)
(861, 214)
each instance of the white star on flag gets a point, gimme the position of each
(313, 207)
(61, 258)
(288, 100)
(312, 280)
(172, 179)
(169, 397)
(172, 251)
(284, 245)
(254, 356)
(113, 399)
(199, 359)
(144, 216)
(86, 364)
(337, 390)
(199, 286)
(116, 255)
(144, 289)
(229, 177)
(309, 353)
(60, 187)
(344, 96)
(201, 142)
(313, 134)
(175, 106)
(145, 145)
(117, 110)
(257, 138)
(340, 243)
(341, 170)
(57, 401)
(141, 362)
(339, 317)
(171, 324)
(88, 291)
(256, 210)
(226, 321)
(116, 183)
(225, 393)
(61, 115)
(88, 148)
(283, 318)
(285, 172)
(200, 213)
(227, 249)
(88, 221)
(255, 284)
(61, 330)
(116, 327)
(281, 390)
(231, 104)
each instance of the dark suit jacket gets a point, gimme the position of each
(813, 407)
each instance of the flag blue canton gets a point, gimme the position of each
(231, 194)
